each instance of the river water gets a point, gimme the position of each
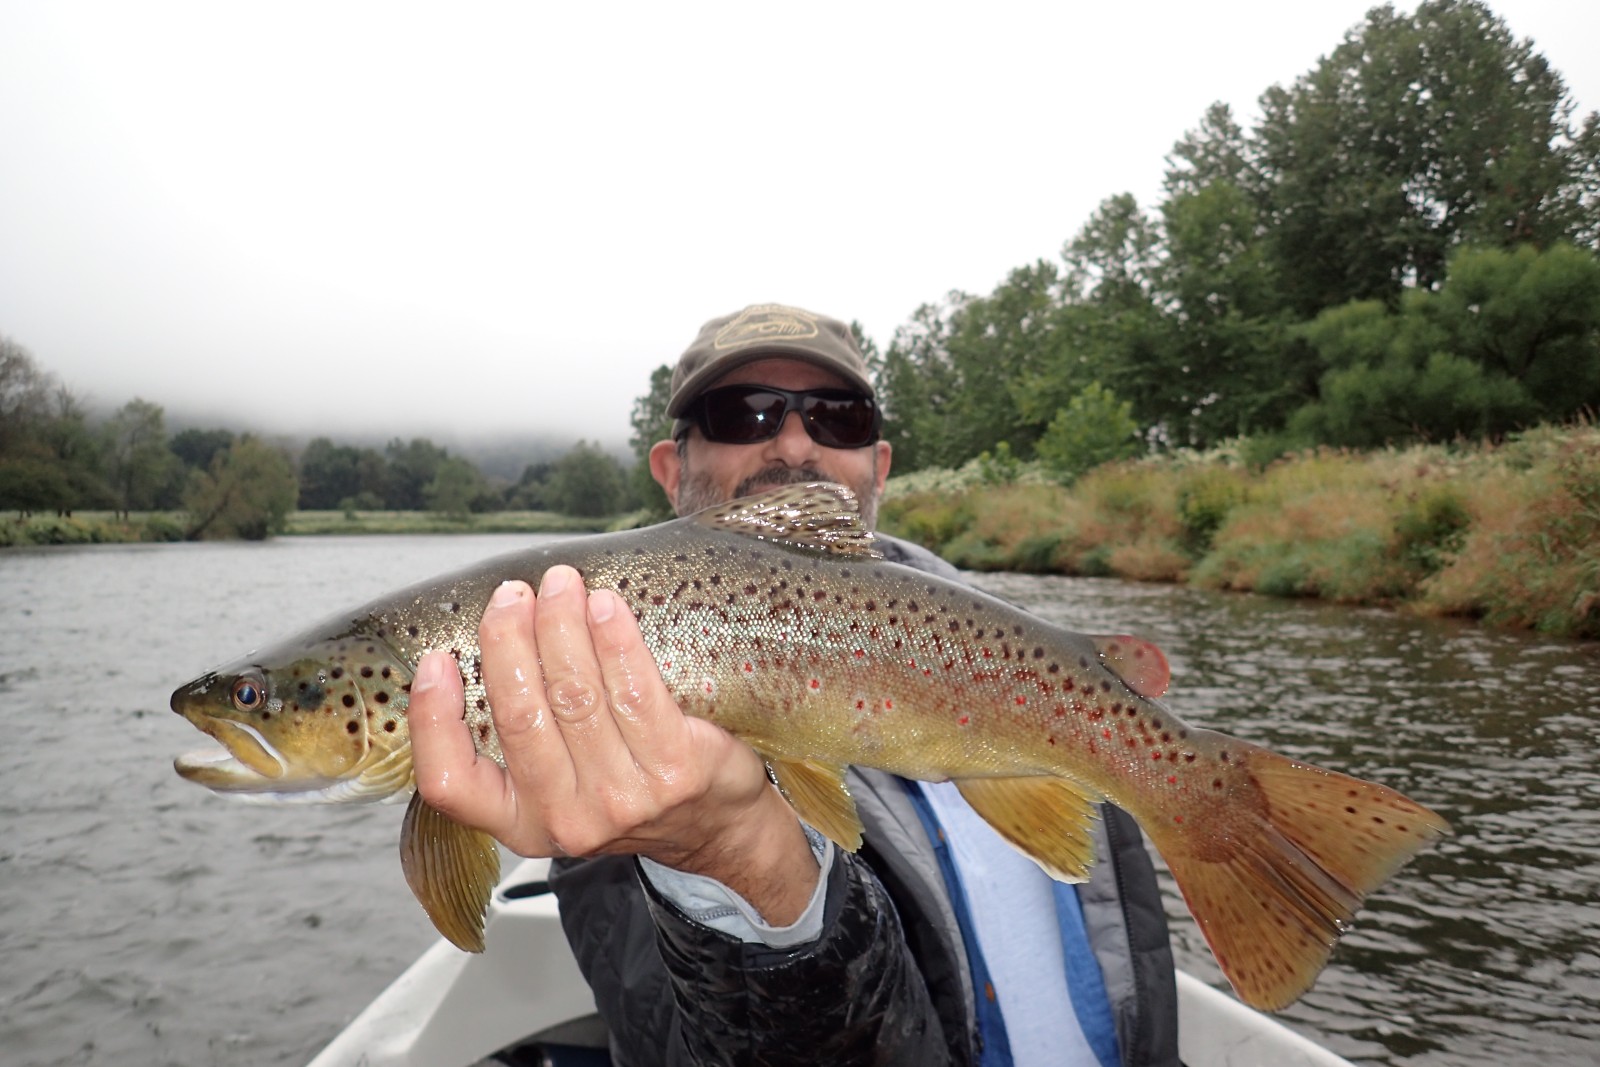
(144, 920)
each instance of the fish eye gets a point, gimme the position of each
(248, 693)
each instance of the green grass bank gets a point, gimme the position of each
(1508, 533)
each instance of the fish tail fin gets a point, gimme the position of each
(1274, 871)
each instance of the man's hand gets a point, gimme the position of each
(599, 758)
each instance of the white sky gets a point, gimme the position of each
(384, 218)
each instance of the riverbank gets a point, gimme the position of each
(104, 527)
(1508, 534)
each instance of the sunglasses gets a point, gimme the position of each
(747, 414)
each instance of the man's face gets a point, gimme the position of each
(709, 473)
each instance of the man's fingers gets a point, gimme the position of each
(535, 752)
(572, 681)
(448, 773)
(647, 716)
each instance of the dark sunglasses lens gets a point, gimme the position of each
(741, 416)
(840, 420)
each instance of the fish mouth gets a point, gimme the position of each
(247, 763)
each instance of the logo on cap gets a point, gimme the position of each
(765, 323)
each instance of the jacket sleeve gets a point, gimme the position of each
(674, 992)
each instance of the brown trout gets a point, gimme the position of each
(775, 618)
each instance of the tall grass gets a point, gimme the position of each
(1509, 534)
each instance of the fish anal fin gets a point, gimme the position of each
(1136, 661)
(1048, 819)
(818, 793)
(817, 517)
(1273, 873)
(451, 869)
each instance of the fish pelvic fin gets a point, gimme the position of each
(816, 517)
(1141, 665)
(451, 869)
(1050, 820)
(818, 794)
(1273, 874)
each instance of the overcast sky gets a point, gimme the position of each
(387, 218)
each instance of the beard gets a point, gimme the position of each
(697, 491)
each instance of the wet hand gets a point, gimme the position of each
(599, 759)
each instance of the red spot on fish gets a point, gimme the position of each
(1155, 755)
(963, 720)
(815, 684)
(888, 704)
(860, 704)
(860, 652)
(748, 668)
(1021, 700)
(1106, 734)
(1177, 818)
(1172, 779)
(1051, 740)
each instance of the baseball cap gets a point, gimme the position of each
(765, 331)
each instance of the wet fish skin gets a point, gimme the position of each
(772, 618)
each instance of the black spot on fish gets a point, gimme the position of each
(349, 701)
(381, 697)
(388, 727)
(366, 672)
(352, 727)
(337, 673)
(622, 583)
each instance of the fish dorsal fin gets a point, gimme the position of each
(817, 792)
(1047, 819)
(1136, 661)
(818, 517)
(451, 869)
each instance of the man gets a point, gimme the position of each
(711, 924)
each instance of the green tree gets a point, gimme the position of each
(458, 488)
(650, 423)
(197, 448)
(412, 467)
(138, 462)
(1094, 428)
(1510, 338)
(586, 482)
(1419, 132)
(248, 492)
(331, 474)
(24, 395)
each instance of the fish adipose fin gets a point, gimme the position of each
(1141, 665)
(818, 793)
(1273, 874)
(817, 517)
(451, 869)
(1048, 819)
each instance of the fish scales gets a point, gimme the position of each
(774, 618)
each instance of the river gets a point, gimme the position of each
(144, 920)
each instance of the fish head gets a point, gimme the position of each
(316, 720)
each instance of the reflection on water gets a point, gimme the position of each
(148, 921)
(1486, 949)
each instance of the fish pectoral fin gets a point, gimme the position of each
(818, 793)
(451, 869)
(1047, 819)
(1140, 664)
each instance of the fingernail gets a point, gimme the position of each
(555, 580)
(505, 596)
(602, 605)
(430, 672)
